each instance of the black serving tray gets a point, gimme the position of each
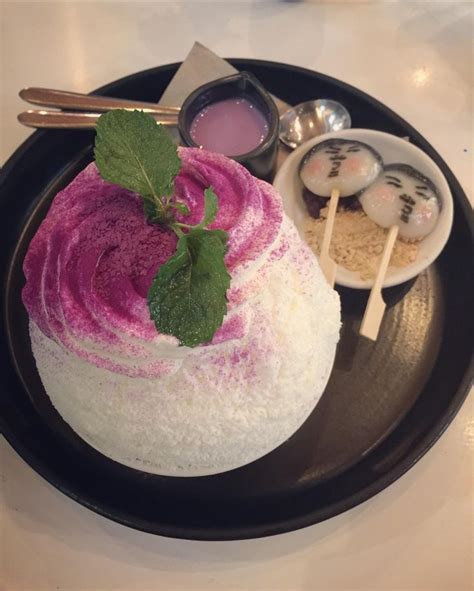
(385, 405)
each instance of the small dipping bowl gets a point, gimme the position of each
(392, 149)
(239, 93)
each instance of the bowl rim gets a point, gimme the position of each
(348, 278)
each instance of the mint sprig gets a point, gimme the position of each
(132, 151)
(187, 297)
(210, 208)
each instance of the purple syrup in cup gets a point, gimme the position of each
(232, 127)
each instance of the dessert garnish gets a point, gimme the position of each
(187, 298)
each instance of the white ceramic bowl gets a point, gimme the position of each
(392, 149)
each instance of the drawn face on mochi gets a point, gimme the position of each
(403, 196)
(346, 165)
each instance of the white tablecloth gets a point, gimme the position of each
(416, 57)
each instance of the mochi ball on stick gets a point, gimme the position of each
(408, 204)
(338, 168)
(402, 196)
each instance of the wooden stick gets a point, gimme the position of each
(328, 266)
(376, 306)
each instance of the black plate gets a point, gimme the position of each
(385, 405)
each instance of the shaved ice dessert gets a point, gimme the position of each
(138, 396)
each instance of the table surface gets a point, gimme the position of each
(416, 57)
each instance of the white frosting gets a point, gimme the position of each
(222, 405)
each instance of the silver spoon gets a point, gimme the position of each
(307, 120)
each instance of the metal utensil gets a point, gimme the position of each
(64, 120)
(312, 118)
(61, 99)
(74, 101)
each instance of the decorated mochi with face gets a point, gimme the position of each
(346, 165)
(402, 196)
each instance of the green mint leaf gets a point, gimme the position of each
(151, 210)
(133, 151)
(155, 213)
(210, 208)
(181, 207)
(223, 237)
(187, 298)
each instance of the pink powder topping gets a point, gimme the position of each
(92, 261)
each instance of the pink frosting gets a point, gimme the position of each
(91, 262)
